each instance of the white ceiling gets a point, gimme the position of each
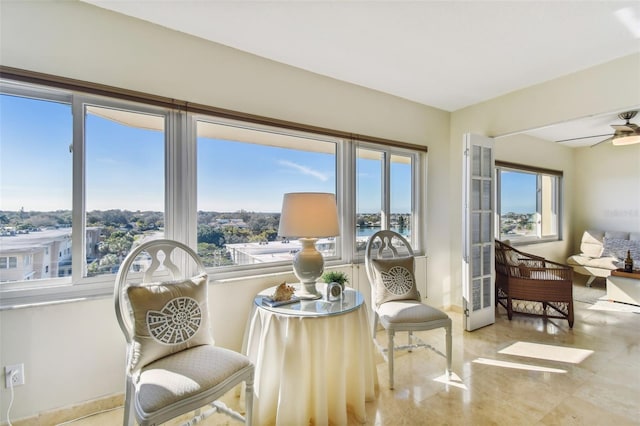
(446, 54)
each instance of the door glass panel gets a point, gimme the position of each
(476, 261)
(486, 195)
(476, 290)
(486, 260)
(486, 292)
(475, 194)
(485, 226)
(476, 160)
(475, 228)
(486, 162)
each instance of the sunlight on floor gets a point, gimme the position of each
(518, 366)
(548, 352)
(453, 380)
(605, 305)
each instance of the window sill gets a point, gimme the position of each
(52, 293)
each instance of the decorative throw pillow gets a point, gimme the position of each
(395, 280)
(512, 257)
(168, 317)
(615, 247)
(591, 244)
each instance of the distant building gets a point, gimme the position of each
(41, 254)
(274, 251)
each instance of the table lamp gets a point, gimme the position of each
(308, 216)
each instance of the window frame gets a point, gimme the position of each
(418, 195)
(558, 201)
(238, 271)
(180, 181)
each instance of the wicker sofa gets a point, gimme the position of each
(531, 285)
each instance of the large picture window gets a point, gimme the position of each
(529, 203)
(85, 178)
(243, 174)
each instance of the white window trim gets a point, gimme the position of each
(180, 196)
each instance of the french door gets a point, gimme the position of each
(478, 232)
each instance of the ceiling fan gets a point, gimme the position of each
(624, 134)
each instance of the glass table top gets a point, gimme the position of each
(351, 300)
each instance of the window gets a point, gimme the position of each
(243, 173)
(529, 203)
(115, 150)
(386, 183)
(124, 151)
(105, 173)
(8, 262)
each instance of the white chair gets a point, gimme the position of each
(395, 299)
(173, 367)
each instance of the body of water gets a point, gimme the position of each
(369, 231)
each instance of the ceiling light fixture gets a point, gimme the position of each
(628, 133)
(626, 140)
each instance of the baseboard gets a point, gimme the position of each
(65, 414)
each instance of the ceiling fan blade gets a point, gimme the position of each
(624, 127)
(602, 141)
(583, 137)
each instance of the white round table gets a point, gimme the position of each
(314, 360)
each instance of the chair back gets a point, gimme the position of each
(153, 260)
(384, 245)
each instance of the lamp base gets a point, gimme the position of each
(308, 291)
(308, 265)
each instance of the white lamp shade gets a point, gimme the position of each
(309, 215)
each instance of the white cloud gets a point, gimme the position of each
(304, 170)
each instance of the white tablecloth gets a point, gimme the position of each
(311, 369)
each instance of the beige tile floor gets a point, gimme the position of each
(520, 372)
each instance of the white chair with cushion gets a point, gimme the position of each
(396, 301)
(173, 366)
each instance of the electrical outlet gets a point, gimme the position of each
(18, 376)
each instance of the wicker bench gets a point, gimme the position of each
(531, 285)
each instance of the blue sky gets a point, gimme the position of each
(125, 167)
(518, 192)
(41, 181)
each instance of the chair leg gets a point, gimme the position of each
(448, 345)
(374, 328)
(248, 401)
(410, 340)
(390, 334)
(129, 393)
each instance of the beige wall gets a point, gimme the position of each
(607, 189)
(608, 87)
(75, 352)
